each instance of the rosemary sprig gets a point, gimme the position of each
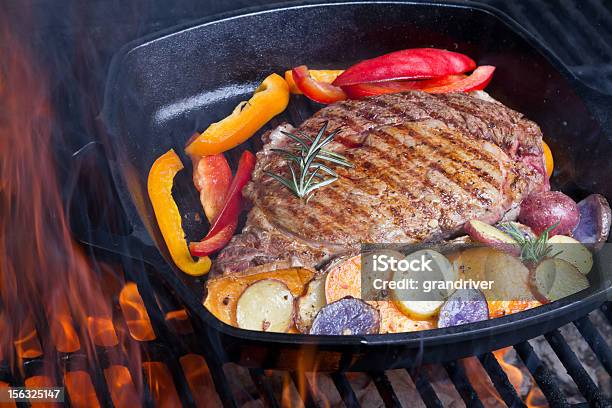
(307, 163)
(533, 249)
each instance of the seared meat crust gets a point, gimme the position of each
(423, 165)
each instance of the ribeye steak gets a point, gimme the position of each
(423, 165)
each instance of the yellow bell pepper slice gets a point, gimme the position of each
(269, 99)
(320, 75)
(159, 185)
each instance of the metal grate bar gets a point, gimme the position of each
(424, 388)
(606, 308)
(457, 375)
(345, 390)
(259, 379)
(586, 386)
(385, 389)
(542, 375)
(596, 342)
(305, 392)
(500, 380)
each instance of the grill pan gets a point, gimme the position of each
(164, 87)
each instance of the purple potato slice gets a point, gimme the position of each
(347, 316)
(464, 306)
(595, 219)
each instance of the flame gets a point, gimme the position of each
(121, 387)
(199, 380)
(102, 331)
(161, 384)
(51, 296)
(40, 381)
(26, 342)
(481, 382)
(306, 380)
(81, 390)
(11, 404)
(514, 373)
(135, 313)
(63, 334)
(535, 398)
(179, 321)
(287, 398)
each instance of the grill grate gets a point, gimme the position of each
(169, 346)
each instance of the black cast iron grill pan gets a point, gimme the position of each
(163, 88)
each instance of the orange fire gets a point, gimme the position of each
(535, 398)
(161, 384)
(81, 390)
(51, 297)
(121, 386)
(135, 313)
(199, 380)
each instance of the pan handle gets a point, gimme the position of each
(108, 228)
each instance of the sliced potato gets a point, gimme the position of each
(309, 304)
(392, 320)
(347, 316)
(464, 306)
(555, 279)
(572, 251)
(266, 305)
(419, 309)
(509, 277)
(470, 263)
(418, 303)
(224, 291)
(491, 236)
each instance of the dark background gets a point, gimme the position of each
(76, 40)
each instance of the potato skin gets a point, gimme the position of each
(491, 236)
(308, 305)
(347, 316)
(595, 220)
(542, 210)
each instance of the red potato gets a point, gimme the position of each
(542, 210)
(491, 236)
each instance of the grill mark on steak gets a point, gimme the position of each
(427, 163)
(442, 150)
(424, 160)
(429, 158)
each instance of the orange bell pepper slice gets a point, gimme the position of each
(548, 157)
(321, 75)
(269, 99)
(159, 186)
(320, 92)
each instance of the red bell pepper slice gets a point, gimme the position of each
(225, 225)
(317, 91)
(213, 243)
(212, 177)
(360, 91)
(415, 63)
(478, 80)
